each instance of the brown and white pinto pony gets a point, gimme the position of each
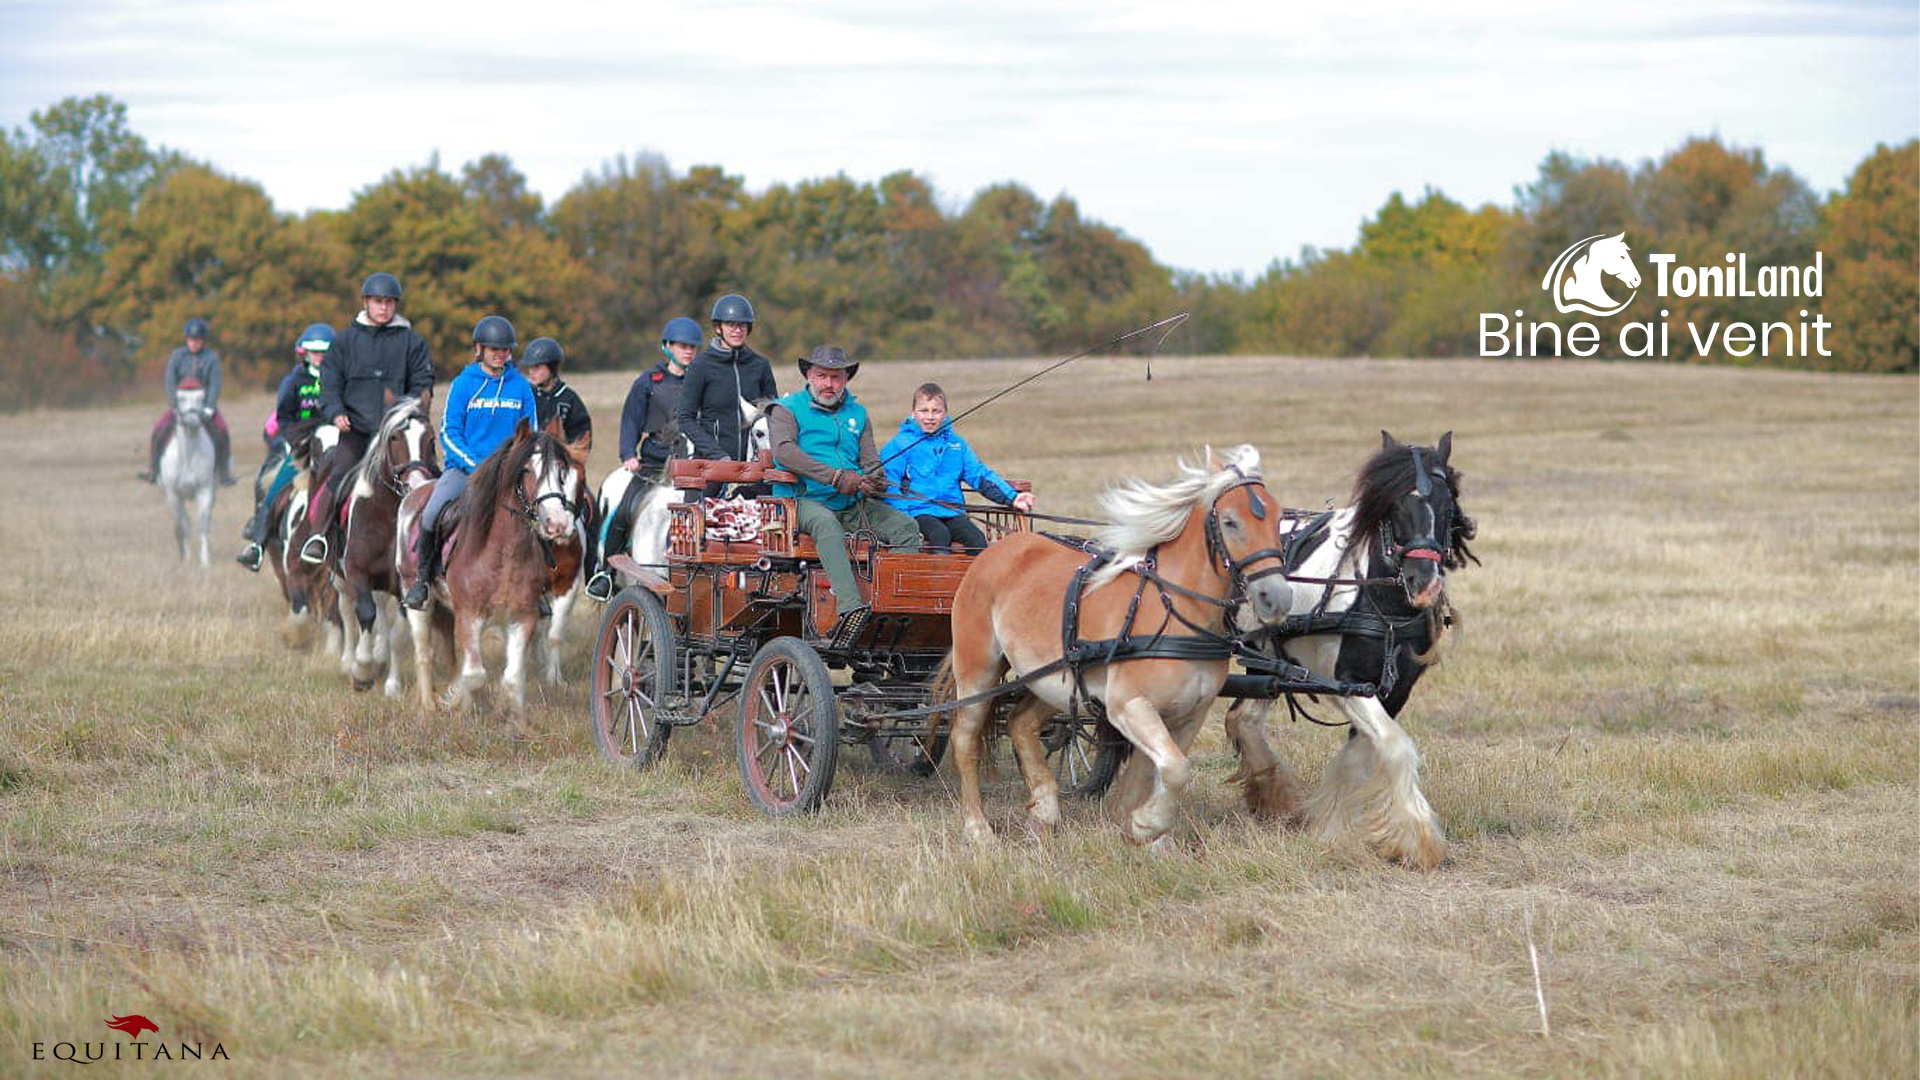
(307, 589)
(1212, 536)
(1390, 549)
(401, 457)
(521, 505)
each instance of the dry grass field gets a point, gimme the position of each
(1676, 747)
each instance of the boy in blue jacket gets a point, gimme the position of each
(484, 404)
(926, 464)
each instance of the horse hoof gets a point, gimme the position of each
(979, 832)
(360, 685)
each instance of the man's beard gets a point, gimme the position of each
(828, 398)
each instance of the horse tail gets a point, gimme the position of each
(940, 688)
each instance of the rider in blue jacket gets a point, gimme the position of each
(926, 464)
(484, 404)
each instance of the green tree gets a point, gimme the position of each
(1872, 291)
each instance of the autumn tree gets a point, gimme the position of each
(1868, 235)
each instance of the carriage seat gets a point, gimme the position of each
(693, 474)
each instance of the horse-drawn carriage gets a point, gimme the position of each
(743, 618)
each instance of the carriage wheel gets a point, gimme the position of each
(788, 735)
(633, 672)
(1085, 754)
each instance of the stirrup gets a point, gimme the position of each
(314, 551)
(249, 557)
(546, 607)
(600, 586)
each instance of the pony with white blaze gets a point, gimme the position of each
(187, 470)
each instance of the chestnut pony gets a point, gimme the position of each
(515, 537)
(1184, 555)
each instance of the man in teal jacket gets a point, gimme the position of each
(821, 434)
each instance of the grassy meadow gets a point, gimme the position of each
(1675, 746)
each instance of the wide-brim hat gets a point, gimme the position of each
(831, 357)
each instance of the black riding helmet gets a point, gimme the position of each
(381, 284)
(493, 332)
(732, 308)
(543, 350)
(197, 327)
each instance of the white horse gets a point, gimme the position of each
(1602, 256)
(186, 469)
(652, 516)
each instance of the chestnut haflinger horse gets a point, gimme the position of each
(512, 537)
(1370, 606)
(401, 457)
(187, 470)
(1177, 560)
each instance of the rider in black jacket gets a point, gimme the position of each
(541, 365)
(725, 373)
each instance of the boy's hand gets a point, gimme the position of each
(1023, 502)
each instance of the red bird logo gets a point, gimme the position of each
(133, 1025)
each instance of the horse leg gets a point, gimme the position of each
(179, 509)
(349, 626)
(366, 651)
(520, 633)
(1141, 723)
(473, 670)
(1271, 787)
(973, 674)
(396, 627)
(1043, 788)
(420, 624)
(557, 631)
(1372, 791)
(204, 501)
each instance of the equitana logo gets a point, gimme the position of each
(133, 1025)
(1578, 279)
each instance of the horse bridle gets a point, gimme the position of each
(397, 475)
(1217, 551)
(1424, 547)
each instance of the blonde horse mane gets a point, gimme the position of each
(1143, 514)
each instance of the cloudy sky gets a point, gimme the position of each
(1221, 134)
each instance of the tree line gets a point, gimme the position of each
(108, 244)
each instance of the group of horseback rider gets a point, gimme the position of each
(692, 401)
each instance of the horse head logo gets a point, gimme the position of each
(1577, 280)
(133, 1025)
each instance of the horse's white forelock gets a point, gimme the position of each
(403, 411)
(1144, 514)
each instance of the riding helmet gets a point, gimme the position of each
(381, 284)
(684, 331)
(732, 308)
(543, 350)
(493, 332)
(315, 338)
(197, 327)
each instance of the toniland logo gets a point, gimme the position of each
(1578, 279)
(132, 1025)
